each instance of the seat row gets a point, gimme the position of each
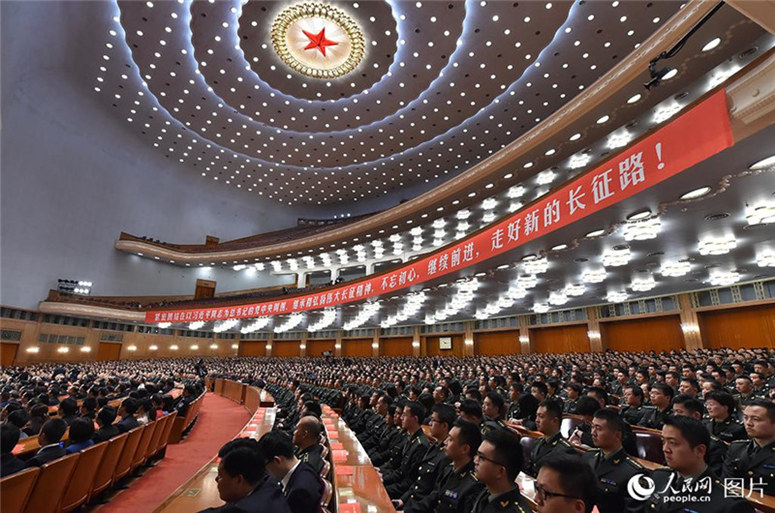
(182, 424)
(64, 484)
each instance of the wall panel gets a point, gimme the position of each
(739, 327)
(649, 334)
(395, 346)
(357, 347)
(286, 348)
(252, 348)
(8, 353)
(318, 347)
(431, 346)
(497, 342)
(561, 339)
(108, 351)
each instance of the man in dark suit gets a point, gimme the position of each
(301, 485)
(49, 439)
(498, 463)
(186, 398)
(548, 420)
(107, 429)
(9, 437)
(243, 482)
(127, 413)
(306, 437)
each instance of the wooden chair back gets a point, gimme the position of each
(77, 491)
(50, 487)
(103, 477)
(15, 490)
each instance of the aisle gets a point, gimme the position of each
(219, 421)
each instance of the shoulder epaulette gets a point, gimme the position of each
(634, 463)
(742, 441)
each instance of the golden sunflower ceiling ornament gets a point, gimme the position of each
(318, 40)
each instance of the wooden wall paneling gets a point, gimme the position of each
(252, 348)
(561, 339)
(318, 347)
(284, 348)
(646, 334)
(497, 342)
(8, 352)
(356, 347)
(108, 351)
(738, 327)
(432, 346)
(395, 346)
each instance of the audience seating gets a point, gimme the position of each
(649, 446)
(80, 484)
(142, 446)
(181, 424)
(104, 476)
(527, 443)
(569, 424)
(124, 464)
(16, 490)
(52, 482)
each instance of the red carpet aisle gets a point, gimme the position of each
(219, 421)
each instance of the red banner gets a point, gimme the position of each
(691, 138)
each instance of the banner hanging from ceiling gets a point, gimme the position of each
(689, 139)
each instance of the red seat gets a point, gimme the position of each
(15, 490)
(50, 487)
(527, 443)
(649, 447)
(77, 491)
(104, 475)
(124, 464)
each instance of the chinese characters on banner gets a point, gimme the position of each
(693, 137)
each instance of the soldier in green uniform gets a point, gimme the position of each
(498, 463)
(306, 437)
(688, 485)
(612, 466)
(399, 480)
(548, 419)
(654, 417)
(633, 410)
(722, 422)
(754, 459)
(717, 450)
(493, 410)
(565, 484)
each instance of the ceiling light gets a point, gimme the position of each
(515, 191)
(710, 45)
(196, 325)
(545, 177)
(643, 283)
(719, 278)
(463, 214)
(575, 289)
(174, 347)
(526, 281)
(540, 308)
(616, 297)
(575, 137)
(637, 216)
(760, 213)
(616, 257)
(579, 160)
(763, 164)
(675, 269)
(557, 298)
(766, 258)
(696, 193)
(559, 247)
(593, 276)
(603, 119)
(634, 98)
(594, 233)
(226, 325)
(642, 230)
(489, 203)
(619, 139)
(537, 266)
(717, 245)
(165, 325)
(670, 74)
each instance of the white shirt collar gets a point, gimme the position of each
(287, 477)
(49, 445)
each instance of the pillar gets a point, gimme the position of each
(690, 325)
(301, 279)
(375, 343)
(269, 342)
(416, 341)
(338, 343)
(468, 339)
(303, 344)
(593, 331)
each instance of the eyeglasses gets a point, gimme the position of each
(543, 495)
(485, 458)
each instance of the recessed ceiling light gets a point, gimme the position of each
(670, 74)
(696, 193)
(637, 216)
(634, 98)
(559, 247)
(575, 137)
(763, 164)
(595, 233)
(603, 119)
(710, 45)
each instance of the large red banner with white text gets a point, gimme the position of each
(696, 135)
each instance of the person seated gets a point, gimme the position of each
(301, 484)
(38, 417)
(565, 484)
(548, 420)
(243, 482)
(661, 395)
(68, 410)
(81, 433)
(398, 480)
(688, 483)
(107, 429)
(9, 437)
(19, 418)
(498, 462)
(632, 411)
(611, 464)
(50, 443)
(185, 400)
(717, 450)
(470, 410)
(306, 438)
(89, 408)
(493, 412)
(723, 423)
(127, 413)
(146, 413)
(755, 458)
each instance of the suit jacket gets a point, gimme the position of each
(304, 490)
(127, 423)
(105, 433)
(311, 455)
(710, 498)
(747, 459)
(613, 474)
(46, 454)
(555, 444)
(10, 464)
(267, 497)
(509, 502)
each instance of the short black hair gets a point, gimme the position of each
(691, 429)
(244, 461)
(587, 405)
(19, 418)
(692, 382)
(553, 408)
(541, 387)
(508, 449)
(636, 391)
(724, 399)
(497, 400)
(81, 430)
(470, 435)
(764, 403)
(576, 477)
(688, 402)
(665, 389)
(106, 415)
(69, 406)
(130, 405)
(276, 443)
(446, 413)
(611, 418)
(471, 407)
(600, 393)
(417, 410)
(54, 430)
(9, 437)
(313, 408)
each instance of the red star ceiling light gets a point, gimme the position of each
(318, 40)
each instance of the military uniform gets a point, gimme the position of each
(398, 481)
(669, 484)
(387, 439)
(431, 467)
(569, 406)
(747, 459)
(744, 400)
(613, 473)
(509, 502)
(555, 444)
(653, 417)
(632, 414)
(311, 455)
(493, 425)
(728, 430)
(458, 491)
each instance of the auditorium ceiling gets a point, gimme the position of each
(339, 102)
